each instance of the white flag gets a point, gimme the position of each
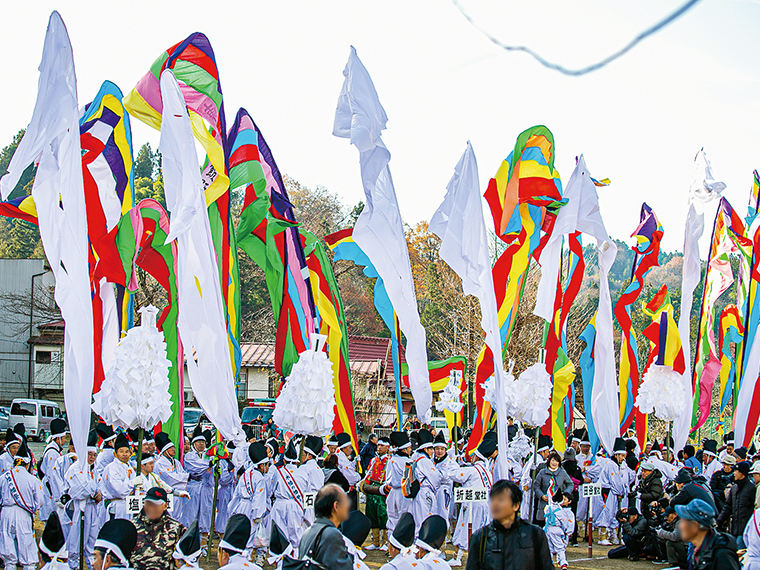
(464, 246)
(202, 326)
(703, 190)
(53, 137)
(379, 231)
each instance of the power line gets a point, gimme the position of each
(594, 66)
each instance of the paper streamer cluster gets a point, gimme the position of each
(527, 396)
(135, 392)
(662, 392)
(306, 404)
(449, 399)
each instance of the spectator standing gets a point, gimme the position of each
(740, 503)
(755, 472)
(508, 541)
(551, 474)
(157, 533)
(712, 549)
(323, 541)
(368, 451)
(721, 480)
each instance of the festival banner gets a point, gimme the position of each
(648, 235)
(440, 374)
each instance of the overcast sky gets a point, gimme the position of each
(639, 121)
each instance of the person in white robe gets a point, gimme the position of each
(200, 485)
(526, 478)
(752, 542)
(106, 454)
(425, 503)
(559, 524)
(118, 480)
(401, 549)
(170, 470)
(288, 490)
(444, 464)
(12, 443)
(53, 551)
(50, 455)
(227, 483)
(613, 480)
(430, 539)
(251, 499)
(396, 503)
(83, 486)
(472, 515)
(310, 472)
(188, 549)
(231, 554)
(21, 496)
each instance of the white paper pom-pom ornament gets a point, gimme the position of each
(529, 396)
(307, 400)
(450, 398)
(662, 392)
(135, 391)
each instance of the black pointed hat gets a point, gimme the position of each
(710, 447)
(512, 431)
(272, 444)
(456, 435)
(337, 478)
(197, 434)
(440, 439)
(189, 546)
(343, 440)
(313, 445)
(23, 453)
(132, 434)
(20, 430)
(486, 448)
(544, 442)
(236, 533)
(57, 427)
(121, 441)
(403, 534)
(257, 452)
(400, 439)
(728, 438)
(656, 446)
(53, 542)
(92, 441)
(356, 528)
(585, 439)
(119, 538)
(208, 437)
(432, 533)
(163, 442)
(291, 453)
(492, 435)
(10, 437)
(619, 446)
(105, 431)
(425, 439)
(278, 542)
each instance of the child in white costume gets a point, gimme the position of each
(559, 525)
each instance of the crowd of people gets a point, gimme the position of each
(278, 502)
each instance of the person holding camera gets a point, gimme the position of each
(676, 551)
(649, 490)
(635, 529)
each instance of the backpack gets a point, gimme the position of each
(410, 484)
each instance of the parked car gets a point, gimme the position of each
(194, 416)
(440, 425)
(35, 415)
(4, 413)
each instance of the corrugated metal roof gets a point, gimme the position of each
(261, 355)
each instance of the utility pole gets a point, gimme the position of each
(31, 330)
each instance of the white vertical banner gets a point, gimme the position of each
(379, 231)
(201, 315)
(52, 137)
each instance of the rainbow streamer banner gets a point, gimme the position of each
(587, 364)
(665, 347)
(754, 199)
(558, 365)
(194, 65)
(718, 278)
(344, 247)
(730, 331)
(524, 198)
(648, 235)
(140, 239)
(268, 233)
(440, 374)
(21, 207)
(332, 321)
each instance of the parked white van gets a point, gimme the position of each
(35, 415)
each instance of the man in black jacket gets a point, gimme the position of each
(508, 542)
(649, 489)
(688, 490)
(721, 480)
(712, 549)
(635, 530)
(323, 541)
(740, 503)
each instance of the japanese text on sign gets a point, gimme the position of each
(470, 494)
(308, 500)
(591, 490)
(135, 503)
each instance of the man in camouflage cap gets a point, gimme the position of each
(157, 533)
